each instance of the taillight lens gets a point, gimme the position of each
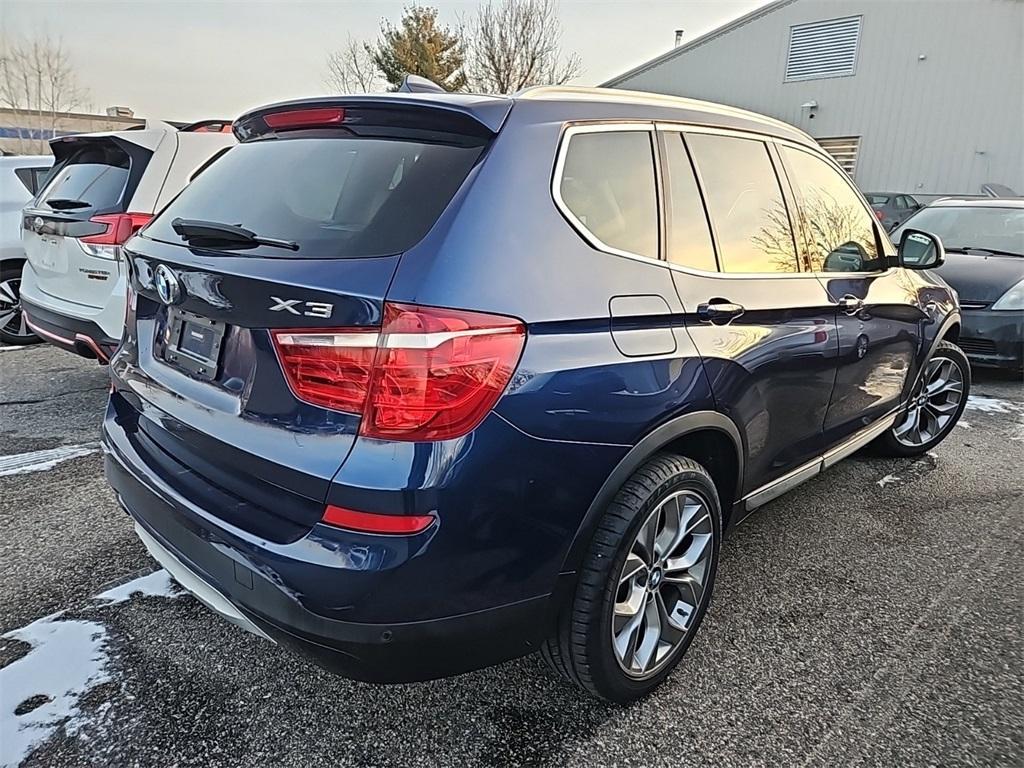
(439, 371)
(328, 368)
(879, 215)
(428, 374)
(119, 228)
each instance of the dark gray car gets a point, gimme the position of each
(893, 208)
(984, 242)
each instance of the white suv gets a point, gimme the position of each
(21, 177)
(103, 189)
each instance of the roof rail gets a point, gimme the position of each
(207, 126)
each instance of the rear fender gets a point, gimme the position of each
(648, 446)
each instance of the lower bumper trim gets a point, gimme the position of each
(202, 591)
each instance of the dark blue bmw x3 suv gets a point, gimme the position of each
(416, 383)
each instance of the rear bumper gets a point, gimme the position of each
(266, 586)
(102, 318)
(82, 337)
(993, 338)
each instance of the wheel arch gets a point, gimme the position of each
(711, 435)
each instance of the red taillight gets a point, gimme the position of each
(370, 522)
(428, 374)
(305, 118)
(879, 215)
(329, 368)
(120, 227)
(439, 371)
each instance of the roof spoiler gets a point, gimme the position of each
(434, 110)
(207, 126)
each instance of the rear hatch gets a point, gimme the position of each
(294, 233)
(69, 230)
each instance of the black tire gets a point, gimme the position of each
(581, 649)
(10, 331)
(889, 444)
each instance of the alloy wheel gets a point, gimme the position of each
(661, 584)
(12, 319)
(936, 400)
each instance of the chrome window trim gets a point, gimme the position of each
(610, 126)
(556, 182)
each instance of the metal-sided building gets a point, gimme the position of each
(912, 96)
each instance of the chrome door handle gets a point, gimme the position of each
(719, 311)
(850, 304)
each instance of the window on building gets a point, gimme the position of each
(823, 49)
(843, 150)
(608, 185)
(840, 230)
(745, 203)
(689, 238)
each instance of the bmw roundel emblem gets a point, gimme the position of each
(168, 287)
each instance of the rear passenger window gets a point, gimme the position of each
(689, 239)
(840, 230)
(746, 204)
(608, 185)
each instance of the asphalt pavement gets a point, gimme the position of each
(870, 617)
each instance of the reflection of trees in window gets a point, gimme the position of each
(775, 239)
(838, 238)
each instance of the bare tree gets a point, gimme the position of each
(38, 82)
(351, 69)
(517, 43)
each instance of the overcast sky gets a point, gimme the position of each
(189, 60)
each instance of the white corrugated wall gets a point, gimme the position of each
(937, 99)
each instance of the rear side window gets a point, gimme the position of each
(94, 176)
(338, 197)
(689, 239)
(840, 229)
(746, 204)
(31, 178)
(607, 184)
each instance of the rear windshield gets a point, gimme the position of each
(335, 197)
(94, 176)
(878, 199)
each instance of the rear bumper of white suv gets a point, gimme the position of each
(92, 332)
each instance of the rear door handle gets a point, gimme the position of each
(718, 311)
(850, 304)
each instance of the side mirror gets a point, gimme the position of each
(920, 250)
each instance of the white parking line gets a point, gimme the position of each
(39, 461)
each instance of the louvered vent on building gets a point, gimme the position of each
(823, 49)
(843, 150)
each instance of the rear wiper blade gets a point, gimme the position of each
(218, 232)
(64, 203)
(982, 251)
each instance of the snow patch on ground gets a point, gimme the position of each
(156, 584)
(68, 657)
(39, 461)
(986, 404)
(887, 480)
